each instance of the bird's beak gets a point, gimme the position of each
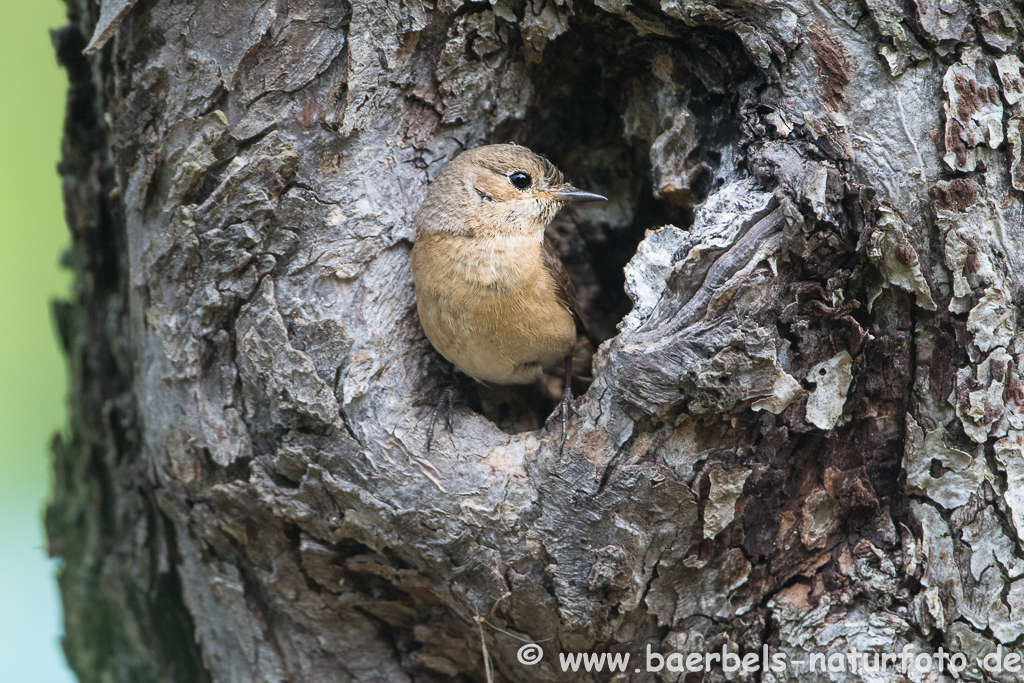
(573, 194)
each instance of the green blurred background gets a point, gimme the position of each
(32, 375)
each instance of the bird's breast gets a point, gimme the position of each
(490, 307)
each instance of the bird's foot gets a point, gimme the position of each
(444, 405)
(563, 411)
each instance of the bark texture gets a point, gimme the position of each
(806, 433)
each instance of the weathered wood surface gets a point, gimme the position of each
(808, 432)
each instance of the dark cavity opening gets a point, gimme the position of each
(652, 123)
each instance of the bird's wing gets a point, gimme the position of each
(564, 288)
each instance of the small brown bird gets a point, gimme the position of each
(492, 295)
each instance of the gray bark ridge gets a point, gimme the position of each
(807, 433)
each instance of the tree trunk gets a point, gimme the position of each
(807, 433)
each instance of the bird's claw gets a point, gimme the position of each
(563, 411)
(445, 404)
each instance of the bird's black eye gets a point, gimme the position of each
(521, 180)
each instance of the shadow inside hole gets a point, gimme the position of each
(603, 96)
(517, 408)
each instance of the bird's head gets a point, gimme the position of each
(497, 188)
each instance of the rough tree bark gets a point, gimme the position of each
(806, 433)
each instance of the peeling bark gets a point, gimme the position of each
(805, 429)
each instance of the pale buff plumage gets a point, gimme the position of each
(492, 297)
